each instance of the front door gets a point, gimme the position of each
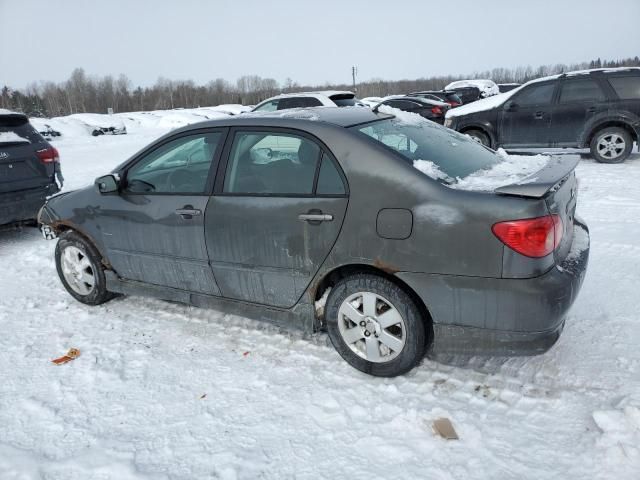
(153, 229)
(276, 213)
(526, 117)
(578, 101)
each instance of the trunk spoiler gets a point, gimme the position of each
(538, 184)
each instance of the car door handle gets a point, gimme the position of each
(187, 212)
(591, 109)
(315, 217)
(538, 115)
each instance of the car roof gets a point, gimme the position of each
(591, 71)
(338, 116)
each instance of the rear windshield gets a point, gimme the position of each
(344, 100)
(13, 129)
(453, 97)
(441, 153)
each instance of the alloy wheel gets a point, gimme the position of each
(371, 327)
(78, 270)
(611, 146)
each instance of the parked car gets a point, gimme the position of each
(507, 87)
(44, 129)
(308, 99)
(324, 223)
(99, 124)
(371, 101)
(29, 169)
(487, 88)
(597, 109)
(448, 96)
(430, 109)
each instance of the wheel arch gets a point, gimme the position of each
(62, 227)
(331, 277)
(606, 124)
(483, 129)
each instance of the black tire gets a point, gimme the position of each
(479, 137)
(600, 155)
(98, 293)
(414, 332)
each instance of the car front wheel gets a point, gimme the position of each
(375, 326)
(611, 145)
(79, 267)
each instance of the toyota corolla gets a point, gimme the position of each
(395, 235)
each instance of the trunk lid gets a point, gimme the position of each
(557, 186)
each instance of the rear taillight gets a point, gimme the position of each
(532, 237)
(436, 110)
(48, 155)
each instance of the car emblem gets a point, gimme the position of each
(4, 155)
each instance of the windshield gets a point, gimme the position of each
(439, 152)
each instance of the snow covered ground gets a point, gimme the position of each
(166, 391)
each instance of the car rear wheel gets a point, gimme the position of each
(79, 267)
(611, 145)
(375, 326)
(479, 137)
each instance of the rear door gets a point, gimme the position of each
(153, 229)
(20, 166)
(275, 215)
(579, 100)
(526, 117)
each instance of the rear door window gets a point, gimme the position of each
(627, 88)
(268, 163)
(581, 90)
(535, 95)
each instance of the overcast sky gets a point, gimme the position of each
(310, 42)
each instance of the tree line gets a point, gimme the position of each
(83, 93)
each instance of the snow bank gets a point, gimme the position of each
(512, 169)
(12, 137)
(487, 87)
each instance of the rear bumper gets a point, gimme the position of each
(496, 316)
(23, 205)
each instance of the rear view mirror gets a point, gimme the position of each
(107, 183)
(510, 106)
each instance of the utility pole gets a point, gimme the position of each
(354, 72)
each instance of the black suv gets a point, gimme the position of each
(595, 109)
(29, 169)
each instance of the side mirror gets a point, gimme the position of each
(108, 183)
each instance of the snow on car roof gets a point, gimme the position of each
(4, 111)
(486, 87)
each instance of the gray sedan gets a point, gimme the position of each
(328, 219)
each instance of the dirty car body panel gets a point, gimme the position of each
(260, 255)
